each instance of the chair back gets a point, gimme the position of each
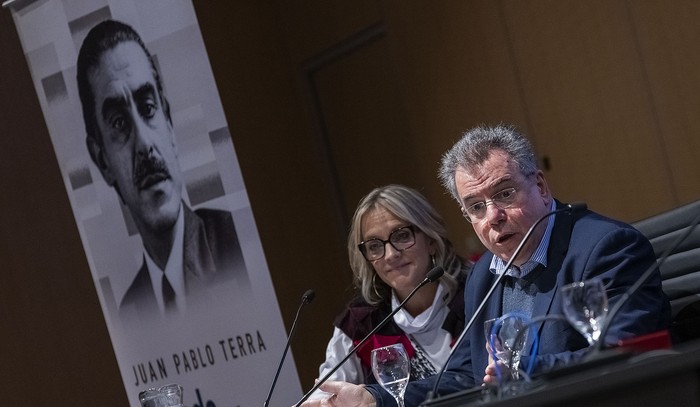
(680, 271)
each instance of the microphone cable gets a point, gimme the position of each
(536, 340)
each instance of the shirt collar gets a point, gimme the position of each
(430, 319)
(538, 257)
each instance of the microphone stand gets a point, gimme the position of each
(642, 279)
(569, 208)
(305, 299)
(432, 275)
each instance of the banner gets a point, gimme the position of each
(146, 156)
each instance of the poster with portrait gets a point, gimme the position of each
(148, 162)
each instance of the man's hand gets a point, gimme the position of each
(343, 394)
(490, 373)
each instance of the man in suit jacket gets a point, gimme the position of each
(211, 254)
(131, 140)
(494, 176)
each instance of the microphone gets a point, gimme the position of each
(308, 296)
(642, 279)
(568, 208)
(305, 299)
(432, 275)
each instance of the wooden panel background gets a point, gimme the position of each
(607, 89)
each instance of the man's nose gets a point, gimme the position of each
(143, 137)
(494, 214)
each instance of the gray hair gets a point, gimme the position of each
(411, 206)
(474, 148)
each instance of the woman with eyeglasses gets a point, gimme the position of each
(395, 238)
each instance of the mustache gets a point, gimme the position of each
(149, 166)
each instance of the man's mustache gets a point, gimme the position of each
(150, 167)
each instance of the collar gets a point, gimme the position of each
(431, 318)
(173, 268)
(538, 257)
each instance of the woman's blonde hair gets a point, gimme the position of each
(411, 206)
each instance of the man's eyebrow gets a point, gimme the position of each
(111, 104)
(145, 91)
(498, 182)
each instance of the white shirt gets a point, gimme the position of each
(173, 269)
(424, 329)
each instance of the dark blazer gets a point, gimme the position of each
(211, 254)
(582, 246)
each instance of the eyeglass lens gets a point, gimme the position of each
(502, 199)
(400, 239)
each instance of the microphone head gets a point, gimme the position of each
(577, 207)
(434, 274)
(308, 296)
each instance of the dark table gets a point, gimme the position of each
(668, 377)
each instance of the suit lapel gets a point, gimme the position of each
(547, 282)
(197, 261)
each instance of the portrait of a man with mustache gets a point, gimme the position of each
(130, 139)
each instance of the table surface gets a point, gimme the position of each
(659, 377)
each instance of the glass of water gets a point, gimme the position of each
(392, 369)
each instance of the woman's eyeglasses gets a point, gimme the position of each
(400, 239)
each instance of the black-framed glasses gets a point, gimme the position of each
(502, 199)
(400, 239)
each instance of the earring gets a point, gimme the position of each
(432, 259)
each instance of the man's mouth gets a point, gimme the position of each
(152, 179)
(504, 238)
(149, 172)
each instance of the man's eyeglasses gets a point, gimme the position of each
(501, 199)
(400, 239)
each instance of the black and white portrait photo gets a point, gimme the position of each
(131, 140)
(151, 172)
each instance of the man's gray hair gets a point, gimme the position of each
(475, 147)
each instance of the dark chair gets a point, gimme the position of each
(680, 271)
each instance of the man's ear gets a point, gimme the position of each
(543, 187)
(98, 157)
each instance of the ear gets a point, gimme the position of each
(433, 247)
(543, 188)
(172, 138)
(97, 154)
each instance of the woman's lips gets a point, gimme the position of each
(399, 267)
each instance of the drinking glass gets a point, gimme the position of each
(169, 395)
(392, 369)
(585, 305)
(505, 341)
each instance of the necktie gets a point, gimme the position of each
(168, 293)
